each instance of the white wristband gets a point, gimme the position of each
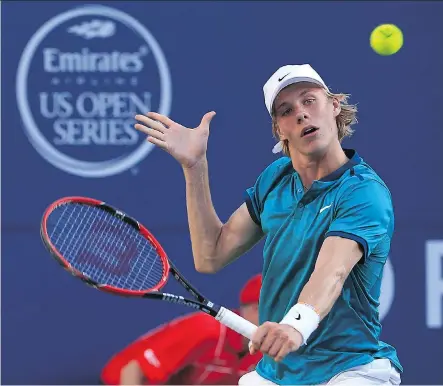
(303, 318)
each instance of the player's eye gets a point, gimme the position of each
(308, 101)
(286, 112)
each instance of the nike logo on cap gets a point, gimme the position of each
(283, 77)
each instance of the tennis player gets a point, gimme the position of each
(327, 219)
(192, 350)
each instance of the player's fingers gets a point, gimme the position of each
(268, 342)
(285, 349)
(276, 346)
(207, 118)
(259, 336)
(161, 118)
(150, 123)
(150, 132)
(252, 350)
(144, 129)
(158, 142)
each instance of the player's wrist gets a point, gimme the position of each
(195, 165)
(303, 318)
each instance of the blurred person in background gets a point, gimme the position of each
(193, 349)
(328, 220)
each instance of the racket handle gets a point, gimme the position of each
(236, 322)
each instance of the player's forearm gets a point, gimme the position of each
(204, 225)
(336, 259)
(323, 289)
(315, 301)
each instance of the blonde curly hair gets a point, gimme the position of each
(346, 118)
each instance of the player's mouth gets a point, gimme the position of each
(308, 131)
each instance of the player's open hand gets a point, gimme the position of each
(187, 146)
(275, 340)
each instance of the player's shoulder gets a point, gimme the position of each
(274, 172)
(361, 177)
(280, 165)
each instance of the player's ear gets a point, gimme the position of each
(336, 106)
(277, 130)
(281, 136)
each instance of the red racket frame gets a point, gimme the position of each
(122, 216)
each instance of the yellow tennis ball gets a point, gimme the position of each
(386, 39)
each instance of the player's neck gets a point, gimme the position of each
(311, 168)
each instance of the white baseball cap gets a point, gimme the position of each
(287, 75)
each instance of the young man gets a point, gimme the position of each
(328, 221)
(192, 350)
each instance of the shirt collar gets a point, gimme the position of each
(323, 184)
(354, 159)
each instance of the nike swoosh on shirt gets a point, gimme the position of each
(325, 207)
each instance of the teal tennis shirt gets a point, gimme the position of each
(352, 202)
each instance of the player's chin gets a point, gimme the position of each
(314, 147)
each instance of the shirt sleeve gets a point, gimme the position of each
(176, 345)
(255, 196)
(364, 213)
(253, 203)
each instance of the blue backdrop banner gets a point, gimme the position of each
(74, 75)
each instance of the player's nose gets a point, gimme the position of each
(301, 117)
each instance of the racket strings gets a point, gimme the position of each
(77, 239)
(104, 248)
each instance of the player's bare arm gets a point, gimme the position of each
(214, 244)
(335, 261)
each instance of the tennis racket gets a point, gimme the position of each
(112, 252)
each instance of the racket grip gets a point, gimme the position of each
(236, 322)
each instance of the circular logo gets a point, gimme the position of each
(81, 79)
